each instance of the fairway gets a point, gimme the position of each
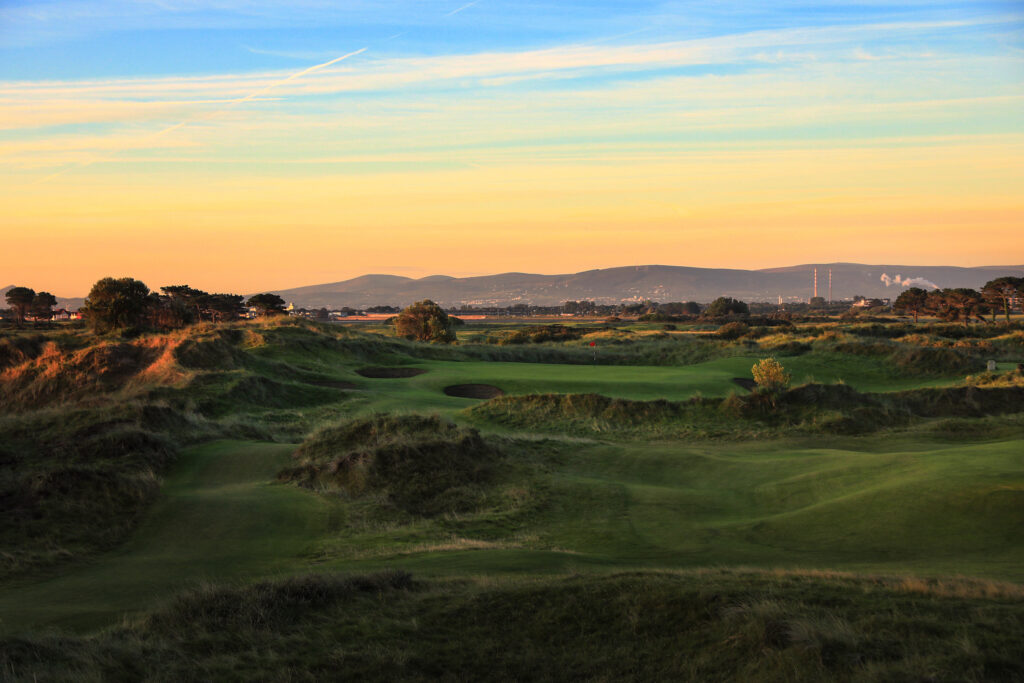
(874, 505)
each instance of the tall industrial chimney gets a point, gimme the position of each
(830, 285)
(815, 283)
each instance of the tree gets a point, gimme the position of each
(913, 300)
(185, 301)
(770, 375)
(268, 304)
(1001, 292)
(424, 321)
(725, 306)
(116, 302)
(957, 304)
(20, 300)
(42, 306)
(221, 307)
(680, 308)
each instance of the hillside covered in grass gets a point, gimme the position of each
(689, 626)
(132, 469)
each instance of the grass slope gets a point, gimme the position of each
(874, 506)
(939, 499)
(219, 516)
(696, 626)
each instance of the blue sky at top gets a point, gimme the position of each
(75, 38)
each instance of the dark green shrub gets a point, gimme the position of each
(733, 330)
(923, 361)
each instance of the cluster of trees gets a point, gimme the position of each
(961, 303)
(25, 302)
(115, 303)
(425, 321)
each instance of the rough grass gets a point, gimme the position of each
(1011, 378)
(686, 626)
(837, 409)
(75, 480)
(423, 465)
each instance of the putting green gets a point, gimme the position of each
(675, 383)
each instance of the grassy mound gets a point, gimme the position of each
(834, 408)
(925, 361)
(1012, 378)
(423, 465)
(268, 605)
(58, 376)
(73, 482)
(15, 350)
(686, 626)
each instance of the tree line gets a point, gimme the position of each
(127, 303)
(25, 302)
(964, 304)
(117, 303)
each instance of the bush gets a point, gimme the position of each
(726, 306)
(770, 375)
(733, 330)
(538, 334)
(425, 321)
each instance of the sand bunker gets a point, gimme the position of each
(331, 383)
(389, 373)
(473, 391)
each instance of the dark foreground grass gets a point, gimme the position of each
(709, 625)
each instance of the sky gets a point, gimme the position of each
(247, 146)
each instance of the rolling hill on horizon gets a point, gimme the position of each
(628, 283)
(654, 282)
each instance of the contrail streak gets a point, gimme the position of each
(466, 6)
(234, 103)
(230, 105)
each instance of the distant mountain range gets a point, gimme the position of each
(630, 283)
(657, 283)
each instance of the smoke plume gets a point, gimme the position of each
(907, 282)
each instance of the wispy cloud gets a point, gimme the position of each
(774, 79)
(460, 9)
(231, 103)
(288, 54)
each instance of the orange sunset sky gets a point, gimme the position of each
(243, 150)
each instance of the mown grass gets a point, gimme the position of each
(885, 505)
